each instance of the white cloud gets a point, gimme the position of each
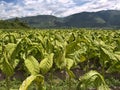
(94, 5)
(54, 7)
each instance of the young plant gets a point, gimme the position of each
(37, 70)
(92, 79)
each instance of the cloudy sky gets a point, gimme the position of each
(60, 8)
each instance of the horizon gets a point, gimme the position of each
(60, 8)
(62, 17)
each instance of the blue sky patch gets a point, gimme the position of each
(9, 1)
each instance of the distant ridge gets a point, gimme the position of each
(101, 19)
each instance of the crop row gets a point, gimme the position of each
(42, 52)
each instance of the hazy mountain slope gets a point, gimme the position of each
(108, 18)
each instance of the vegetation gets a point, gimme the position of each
(101, 19)
(109, 19)
(14, 24)
(76, 59)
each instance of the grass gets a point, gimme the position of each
(57, 84)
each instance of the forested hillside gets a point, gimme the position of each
(101, 19)
(12, 24)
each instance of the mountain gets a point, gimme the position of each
(101, 19)
(42, 21)
(110, 18)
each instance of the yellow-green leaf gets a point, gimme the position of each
(32, 65)
(46, 63)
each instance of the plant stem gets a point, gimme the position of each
(51, 79)
(103, 70)
(69, 83)
(87, 66)
(8, 83)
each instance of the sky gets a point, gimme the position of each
(59, 8)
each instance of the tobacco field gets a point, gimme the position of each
(64, 59)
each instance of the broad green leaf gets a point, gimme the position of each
(32, 65)
(40, 37)
(9, 48)
(70, 73)
(26, 83)
(77, 57)
(12, 39)
(69, 63)
(72, 47)
(60, 60)
(16, 50)
(6, 67)
(104, 57)
(92, 77)
(9, 39)
(114, 67)
(71, 38)
(109, 53)
(117, 55)
(49, 47)
(59, 38)
(59, 44)
(82, 58)
(12, 51)
(103, 87)
(39, 81)
(46, 64)
(16, 61)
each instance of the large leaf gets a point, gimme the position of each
(6, 67)
(94, 78)
(77, 57)
(104, 56)
(59, 38)
(72, 47)
(109, 53)
(117, 55)
(49, 46)
(16, 50)
(70, 73)
(9, 61)
(9, 39)
(114, 67)
(60, 60)
(46, 64)
(32, 65)
(71, 38)
(9, 48)
(69, 63)
(26, 83)
(12, 51)
(15, 63)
